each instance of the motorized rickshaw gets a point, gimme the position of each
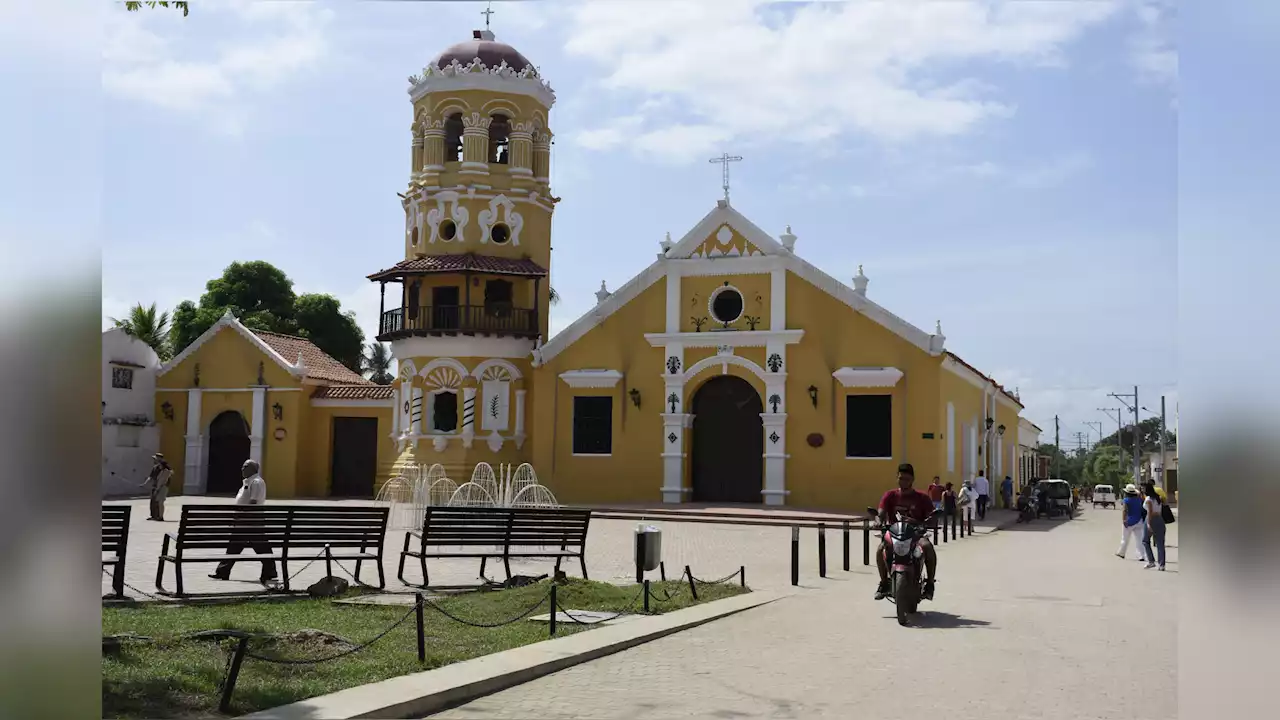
(1057, 498)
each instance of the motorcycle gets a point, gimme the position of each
(906, 564)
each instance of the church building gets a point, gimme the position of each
(729, 370)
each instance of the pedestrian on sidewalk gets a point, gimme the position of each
(965, 502)
(1154, 526)
(1006, 492)
(253, 491)
(936, 491)
(948, 503)
(983, 488)
(1131, 522)
(157, 485)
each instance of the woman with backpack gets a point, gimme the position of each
(1156, 515)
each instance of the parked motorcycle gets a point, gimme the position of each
(906, 564)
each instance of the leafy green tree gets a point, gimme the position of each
(377, 363)
(176, 5)
(1149, 431)
(261, 296)
(148, 325)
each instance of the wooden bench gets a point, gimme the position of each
(292, 533)
(498, 532)
(115, 542)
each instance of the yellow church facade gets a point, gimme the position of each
(729, 370)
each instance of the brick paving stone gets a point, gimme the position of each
(1038, 621)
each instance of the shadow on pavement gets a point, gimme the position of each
(934, 620)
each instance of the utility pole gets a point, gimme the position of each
(1057, 444)
(1119, 425)
(1164, 467)
(1137, 439)
(1096, 426)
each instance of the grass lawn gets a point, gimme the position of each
(181, 678)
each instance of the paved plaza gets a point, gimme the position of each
(711, 550)
(1038, 621)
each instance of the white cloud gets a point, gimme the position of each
(1034, 176)
(1152, 49)
(151, 57)
(745, 68)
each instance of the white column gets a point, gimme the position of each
(674, 426)
(520, 436)
(775, 457)
(395, 413)
(420, 399)
(257, 424)
(193, 475)
(673, 300)
(468, 416)
(404, 409)
(778, 299)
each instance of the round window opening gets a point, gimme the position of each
(726, 306)
(448, 230)
(500, 234)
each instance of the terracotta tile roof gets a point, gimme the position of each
(320, 366)
(468, 262)
(999, 387)
(353, 392)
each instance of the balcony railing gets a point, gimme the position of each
(493, 319)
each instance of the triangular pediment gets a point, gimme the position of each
(725, 232)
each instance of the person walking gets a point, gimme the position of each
(983, 488)
(1006, 492)
(157, 485)
(1131, 522)
(936, 492)
(253, 491)
(965, 502)
(1154, 527)
(948, 503)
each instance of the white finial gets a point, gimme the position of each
(228, 315)
(938, 341)
(860, 282)
(666, 242)
(301, 364)
(788, 240)
(602, 294)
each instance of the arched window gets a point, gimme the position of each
(413, 236)
(499, 138)
(453, 138)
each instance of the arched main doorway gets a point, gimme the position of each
(728, 441)
(228, 449)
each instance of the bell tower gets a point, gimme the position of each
(470, 299)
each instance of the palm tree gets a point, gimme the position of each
(377, 362)
(136, 6)
(149, 326)
(552, 295)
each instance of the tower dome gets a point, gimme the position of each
(482, 45)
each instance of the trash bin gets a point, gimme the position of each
(648, 548)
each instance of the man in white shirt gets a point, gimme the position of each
(983, 488)
(253, 491)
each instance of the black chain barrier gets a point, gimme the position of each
(513, 620)
(559, 610)
(335, 656)
(721, 581)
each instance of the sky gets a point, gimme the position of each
(1008, 169)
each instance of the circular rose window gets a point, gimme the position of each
(726, 304)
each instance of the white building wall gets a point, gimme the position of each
(130, 435)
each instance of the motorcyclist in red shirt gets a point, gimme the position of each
(917, 506)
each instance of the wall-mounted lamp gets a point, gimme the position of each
(277, 411)
(813, 395)
(1000, 430)
(281, 433)
(635, 397)
(167, 410)
(990, 422)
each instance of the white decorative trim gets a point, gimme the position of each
(229, 321)
(436, 373)
(754, 265)
(1007, 401)
(876, 377)
(354, 402)
(724, 361)
(495, 363)
(494, 440)
(962, 371)
(427, 193)
(737, 339)
(591, 378)
(475, 75)
(227, 390)
(457, 212)
(487, 218)
(596, 315)
(405, 367)
(846, 457)
(724, 214)
(461, 346)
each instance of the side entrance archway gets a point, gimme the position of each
(228, 449)
(728, 442)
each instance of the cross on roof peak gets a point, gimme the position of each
(487, 13)
(724, 160)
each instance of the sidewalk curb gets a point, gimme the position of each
(422, 694)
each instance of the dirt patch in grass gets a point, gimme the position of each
(173, 668)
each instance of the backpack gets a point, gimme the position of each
(1166, 514)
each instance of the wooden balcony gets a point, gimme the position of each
(499, 319)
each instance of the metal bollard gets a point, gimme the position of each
(944, 528)
(953, 526)
(822, 550)
(693, 587)
(935, 532)
(328, 561)
(742, 575)
(233, 674)
(795, 555)
(553, 609)
(662, 570)
(845, 530)
(866, 541)
(422, 638)
(646, 596)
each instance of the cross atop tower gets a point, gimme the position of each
(487, 13)
(724, 161)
